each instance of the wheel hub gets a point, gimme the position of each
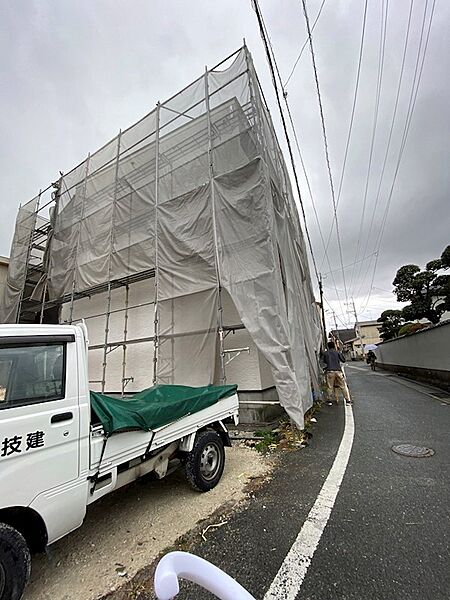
(209, 461)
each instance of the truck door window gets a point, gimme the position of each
(31, 373)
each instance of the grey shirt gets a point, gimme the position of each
(332, 360)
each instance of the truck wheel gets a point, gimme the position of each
(204, 464)
(15, 563)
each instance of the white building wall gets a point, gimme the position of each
(250, 370)
(244, 370)
(139, 356)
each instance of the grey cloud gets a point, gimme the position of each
(73, 73)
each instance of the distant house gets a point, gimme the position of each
(437, 300)
(350, 340)
(369, 332)
(355, 339)
(344, 335)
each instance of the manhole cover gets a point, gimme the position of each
(413, 451)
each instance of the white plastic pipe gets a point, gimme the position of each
(195, 569)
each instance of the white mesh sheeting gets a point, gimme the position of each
(195, 196)
(12, 293)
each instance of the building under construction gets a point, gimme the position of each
(179, 244)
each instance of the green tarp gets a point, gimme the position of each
(155, 406)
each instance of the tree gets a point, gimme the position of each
(391, 321)
(445, 258)
(411, 328)
(445, 283)
(427, 291)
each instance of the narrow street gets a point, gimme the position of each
(388, 534)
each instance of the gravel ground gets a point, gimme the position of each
(126, 530)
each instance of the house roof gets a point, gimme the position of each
(445, 323)
(345, 335)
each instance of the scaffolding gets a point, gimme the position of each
(185, 226)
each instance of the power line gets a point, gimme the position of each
(304, 45)
(316, 215)
(411, 105)
(335, 313)
(302, 162)
(361, 260)
(394, 114)
(324, 133)
(352, 116)
(264, 37)
(381, 54)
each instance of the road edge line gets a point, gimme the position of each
(290, 576)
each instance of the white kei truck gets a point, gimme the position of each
(63, 447)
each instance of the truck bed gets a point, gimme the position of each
(126, 446)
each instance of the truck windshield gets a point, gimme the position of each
(31, 373)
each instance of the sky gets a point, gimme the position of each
(73, 73)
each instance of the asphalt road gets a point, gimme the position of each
(388, 536)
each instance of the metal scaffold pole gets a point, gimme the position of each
(223, 377)
(57, 195)
(44, 294)
(322, 312)
(108, 302)
(27, 260)
(255, 104)
(125, 337)
(83, 198)
(156, 315)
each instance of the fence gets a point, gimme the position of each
(424, 355)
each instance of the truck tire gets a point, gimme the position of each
(15, 563)
(204, 464)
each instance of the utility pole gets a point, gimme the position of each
(358, 335)
(336, 327)
(322, 309)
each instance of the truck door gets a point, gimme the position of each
(39, 417)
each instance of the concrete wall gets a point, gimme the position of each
(424, 355)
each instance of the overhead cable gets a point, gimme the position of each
(411, 105)
(361, 260)
(325, 140)
(350, 128)
(391, 129)
(381, 54)
(262, 30)
(336, 314)
(266, 40)
(297, 143)
(304, 46)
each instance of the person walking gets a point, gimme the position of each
(335, 377)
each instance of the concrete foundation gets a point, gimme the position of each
(260, 407)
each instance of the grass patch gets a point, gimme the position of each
(287, 436)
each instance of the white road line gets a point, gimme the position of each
(289, 579)
(358, 368)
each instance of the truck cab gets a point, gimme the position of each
(55, 457)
